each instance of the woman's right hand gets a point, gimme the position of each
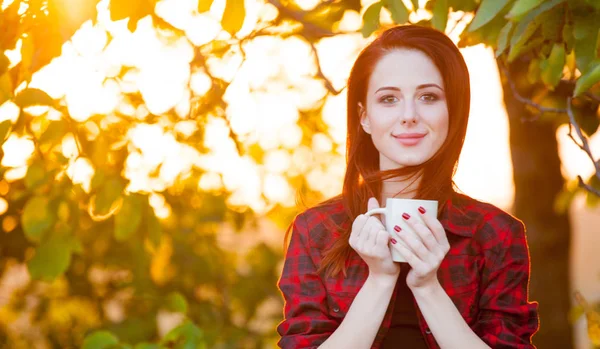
(370, 239)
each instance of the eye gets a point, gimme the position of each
(429, 97)
(388, 99)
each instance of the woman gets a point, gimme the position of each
(465, 283)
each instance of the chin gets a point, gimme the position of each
(405, 161)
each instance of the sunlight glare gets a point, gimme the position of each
(14, 174)
(9, 111)
(351, 21)
(334, 115)
(337, 55)
(81, 172)
(69, 146)
(17, 151)
(209, 182)
(277, 189)
(200, 83)
(277, 161)
(3, 206)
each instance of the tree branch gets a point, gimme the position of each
(588, 187)
(584, 145)
(320, 74)
(528, 101)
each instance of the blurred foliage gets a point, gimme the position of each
(104, 267)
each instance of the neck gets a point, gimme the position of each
(405, 188)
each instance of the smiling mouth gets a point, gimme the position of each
(409, 139)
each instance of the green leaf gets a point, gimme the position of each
(584, 24)
(105, 202)
(503, 37)
(176, 302)
(33, 96)
(36, 218)
(5, 127)
(52, 257)
(552, 73)
(415, 4)
(588, 79)
(371, 19)
(100, 340)
(6, 88)
(233, 17)
(440, 15)
(575, 313)
(55, 131)
(204, 5)
(486, 12)
(128, 219)
(35, 175)
(187, 335)
(584, 54)
(521, 7)
(527, 27)
(398, 11)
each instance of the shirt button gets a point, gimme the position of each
(336, 309)
(427, 330)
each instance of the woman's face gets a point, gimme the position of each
(406, 111)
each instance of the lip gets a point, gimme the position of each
(409, 139)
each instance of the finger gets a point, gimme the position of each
(422, 243)
(359, 224)
(410, 257)
(372, 203)
(424, 234)
(372, 237)
(415, 245)
(357, 227)
(436, 227)
(363, 236)
(382, 239)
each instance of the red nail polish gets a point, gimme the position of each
(394, 241)
(406, 216)
(397, 228)
(422, 210)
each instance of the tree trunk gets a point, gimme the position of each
(538, 180)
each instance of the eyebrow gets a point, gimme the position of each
(393, 88)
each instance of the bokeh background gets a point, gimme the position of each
(154, 152)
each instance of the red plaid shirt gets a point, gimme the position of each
(485, 273)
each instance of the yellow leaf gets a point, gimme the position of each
(592, 317)
(233, 17)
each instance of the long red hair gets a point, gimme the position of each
(363, 179)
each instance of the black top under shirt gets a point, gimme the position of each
(404, 331)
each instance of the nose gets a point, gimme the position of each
(409, 116)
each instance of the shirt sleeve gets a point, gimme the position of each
(506, 318)
(305, 323)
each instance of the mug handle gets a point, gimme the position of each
(380, 210)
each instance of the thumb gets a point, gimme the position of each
(373, 203)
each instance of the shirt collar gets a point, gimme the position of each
(457, 218)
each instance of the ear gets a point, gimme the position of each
(364, 120)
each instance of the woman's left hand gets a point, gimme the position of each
(425, 254)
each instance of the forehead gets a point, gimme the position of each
(404, 68)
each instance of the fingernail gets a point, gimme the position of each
(422, 210)
(397, 228)
(394, 241)
(406, 216)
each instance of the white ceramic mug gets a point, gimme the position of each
(393, 210)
